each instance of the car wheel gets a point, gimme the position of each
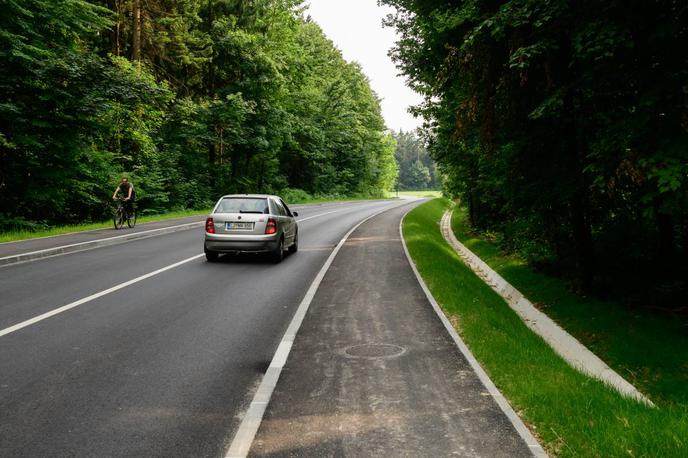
(278, 254)
(211, 256)
(295, 246)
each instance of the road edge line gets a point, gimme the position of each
(109, 241)
(90, 244)
(248, 428)
(522, 430)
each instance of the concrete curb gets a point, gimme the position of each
(522, 430)
(567, 346)
(81, 246)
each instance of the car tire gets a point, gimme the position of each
(211, 256)
(295, 246)
(278, 254)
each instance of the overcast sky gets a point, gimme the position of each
(355, 27)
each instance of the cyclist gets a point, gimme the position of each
(128, 192)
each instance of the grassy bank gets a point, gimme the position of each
(423, 193)
(322, 200)
(649, 349)
(572, 414)
(12, 236)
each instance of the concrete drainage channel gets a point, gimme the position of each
(567, 346)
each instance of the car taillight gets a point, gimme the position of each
(271, 226)
(210, 226)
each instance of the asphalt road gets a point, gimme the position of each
(162, 367)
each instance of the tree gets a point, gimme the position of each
(560, 122)
(191, 99)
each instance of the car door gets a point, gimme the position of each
(284, 222)
(291, 218)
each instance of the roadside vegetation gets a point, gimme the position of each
(37, 231)
(573, 415)
(423, 193)
(291, 196)
(417, 170)
(649, 350)
(189, 99)
(562, 127)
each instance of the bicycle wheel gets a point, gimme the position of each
(118, 218)
(131, 218)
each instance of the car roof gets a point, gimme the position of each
(251, 196)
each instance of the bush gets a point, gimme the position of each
(11, 224)
(294, 195)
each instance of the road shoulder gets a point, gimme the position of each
(374, 372)
(32, 249)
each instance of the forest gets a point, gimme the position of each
(189, 99)
(562, 126)
(417, 169)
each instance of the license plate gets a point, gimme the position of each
(239, 226)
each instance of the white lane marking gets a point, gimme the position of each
(64, 308)
(60, 250)
(315, 216)
(241, 444)
(139, 235)
(522, 430)
(333, 211)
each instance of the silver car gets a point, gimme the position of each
(251, 223)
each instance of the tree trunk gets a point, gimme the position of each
(665, 228)
(685, 237)
(582, 239)
(580, 202)
(136, 31)
(212, 170)
(471, 210)
(210, 83)
(115, 31)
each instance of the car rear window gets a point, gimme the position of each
(242, 205)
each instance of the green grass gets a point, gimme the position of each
(424, 193)
(648, 349)
(572, 414)
(13, 236)
(321, 200)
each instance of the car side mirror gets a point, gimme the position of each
(295, 214)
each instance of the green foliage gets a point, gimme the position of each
(416, 167)
(189, 99)
(562, 123)
(295, 195)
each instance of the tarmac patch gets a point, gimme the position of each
(374, 351)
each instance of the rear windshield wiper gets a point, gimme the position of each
(250, 211)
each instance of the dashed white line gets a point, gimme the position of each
(71, 305)
(92, 297)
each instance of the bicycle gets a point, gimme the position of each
(122, 215)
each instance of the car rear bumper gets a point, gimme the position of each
(241, 244)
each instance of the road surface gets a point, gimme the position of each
(164, 366)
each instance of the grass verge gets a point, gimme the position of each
(423, 193)
(648, 349)
(572, 414)
(13, 236)
(322, 200)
